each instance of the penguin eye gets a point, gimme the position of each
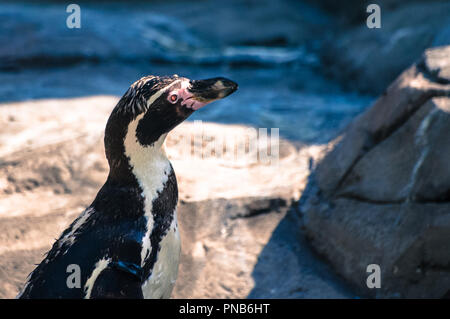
(173, 98)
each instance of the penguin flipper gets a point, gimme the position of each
(120, 280)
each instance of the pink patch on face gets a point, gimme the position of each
(187, 98)
(193, 104)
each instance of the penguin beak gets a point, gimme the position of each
(202, 92)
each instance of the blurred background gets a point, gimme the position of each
(305, 67)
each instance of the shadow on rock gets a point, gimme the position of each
(287, 268)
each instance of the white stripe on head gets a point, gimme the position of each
(155, 96)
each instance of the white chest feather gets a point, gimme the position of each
(165, 270)
(152, 168)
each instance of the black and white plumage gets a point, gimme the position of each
(126, 242)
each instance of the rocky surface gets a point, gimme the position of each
(240, 237)
(370, 59)
(381, 195)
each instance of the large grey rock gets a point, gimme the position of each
(370, 59)
(382, 193)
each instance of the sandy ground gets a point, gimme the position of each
(52, 164)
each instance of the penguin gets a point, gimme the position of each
(126, 244)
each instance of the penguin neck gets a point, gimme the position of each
(148, 163)
(133, 165)
(141, 164)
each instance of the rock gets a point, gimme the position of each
(370, 59)
(233, 211)
(381, 195)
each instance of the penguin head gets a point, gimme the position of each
(153, 106)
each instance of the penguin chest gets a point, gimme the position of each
(165, 270)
